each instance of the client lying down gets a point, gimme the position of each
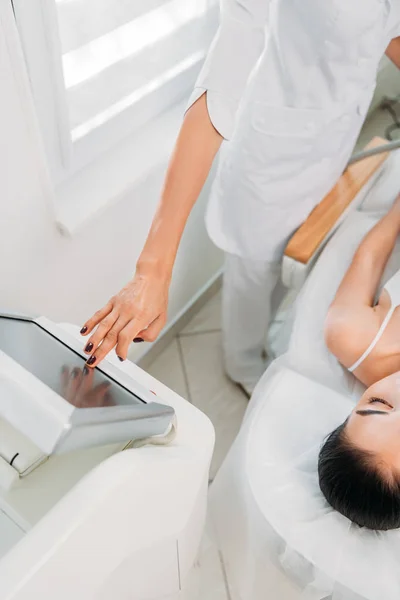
(359, 464)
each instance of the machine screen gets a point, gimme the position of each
(59, 367)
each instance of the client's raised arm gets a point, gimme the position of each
(352, 319)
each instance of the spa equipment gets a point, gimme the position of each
(102, 493)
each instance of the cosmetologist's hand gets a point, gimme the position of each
(137, 313)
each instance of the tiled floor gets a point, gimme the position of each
(192, 366)
(211, 578)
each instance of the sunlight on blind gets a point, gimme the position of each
(116, 52)
(128, 39)
(133, 98)
(82, 21)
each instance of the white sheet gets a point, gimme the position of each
(278, 536)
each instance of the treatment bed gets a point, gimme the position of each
(279, 538)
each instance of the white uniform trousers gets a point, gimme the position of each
(252, 293)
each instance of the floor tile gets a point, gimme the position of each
(168, 369)
(211, 579)
(207, 319)
(212, 392)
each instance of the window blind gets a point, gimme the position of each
(133, 57)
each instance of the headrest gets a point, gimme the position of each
(290, 417)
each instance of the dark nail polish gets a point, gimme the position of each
(89, 347)
(91, 360)
(138, 340)
(75, 373)
(83, 330)
(85, 370)
(121, 359)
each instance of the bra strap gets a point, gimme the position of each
(374, 341)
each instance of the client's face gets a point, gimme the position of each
(374, 424)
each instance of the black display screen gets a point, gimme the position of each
(59, 367)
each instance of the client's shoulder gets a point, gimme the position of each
(349, 330)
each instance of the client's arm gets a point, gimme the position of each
(352, 321)
(393, 51)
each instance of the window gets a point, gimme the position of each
(101, 69)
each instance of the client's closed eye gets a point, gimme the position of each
(375, 400)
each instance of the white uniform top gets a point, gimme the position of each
(292, 103)
(393, 289)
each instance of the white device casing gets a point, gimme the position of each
(130, 529)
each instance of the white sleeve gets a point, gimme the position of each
(238, 44)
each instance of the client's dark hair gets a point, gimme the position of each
(355, 485)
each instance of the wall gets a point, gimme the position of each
(68, 278)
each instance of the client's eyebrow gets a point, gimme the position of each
(365, 413)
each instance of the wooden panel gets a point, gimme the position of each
(320, 221)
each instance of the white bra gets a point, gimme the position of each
(393, 289)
